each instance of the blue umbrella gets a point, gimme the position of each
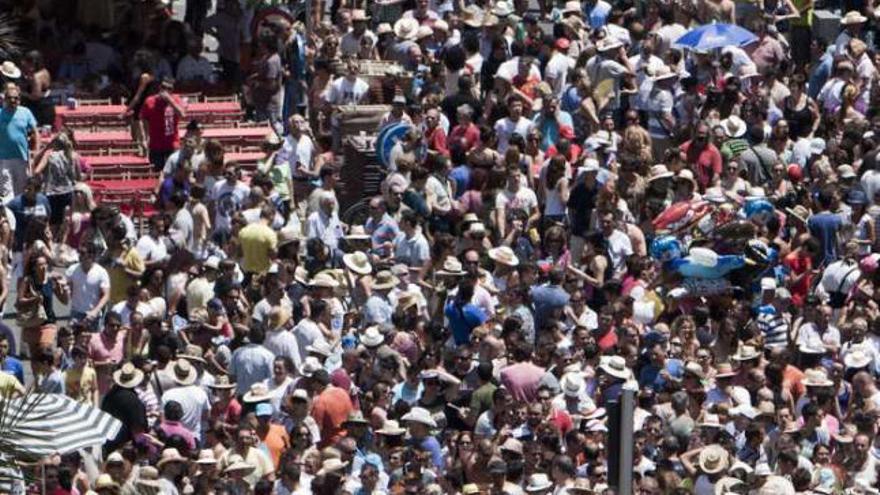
(711, 36)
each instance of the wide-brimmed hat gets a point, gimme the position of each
(309, 366)
(734, 127)
(663, 73)
(746, 353)
(372, 337)
(685, 175)
(324, 280)
(357, 233)
(406, 28)
(710, 421)
(320, 347)
(148, 477)
(857, 358)
(472, 16)
(608, 43)
(356, 417)
(358, 262)
(10, 70)
(695, 369)
(504, 255)
(183, 373)
(572, 384)
(724, 370)
(193, 353)
(816, 377)
(359, 15)
(539, 482)
(853, 17)
(572, 7)
(451, 267)
(391, 428)
(237, 463)
(332, 465)
(105, 481)
(385, 280)
(170, 455)
(799, 212)
(128, 376)
(502, 9)
(581, 485)
(615, 366)
(659, 172)
(419, 415)
(258, 392)
(206, 456)
(288, 235)
(728, 485)
(714, 459)
(222, 382)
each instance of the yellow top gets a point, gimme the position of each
(258, 242)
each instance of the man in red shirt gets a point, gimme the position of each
(160, 116)
(330, 408)
(466, 133)
(435, 136)
(702, 157)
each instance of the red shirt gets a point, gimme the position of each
(799, 263)
(330, 409)
(436, 140)
(467, 136)
(162, 122)
(706, 163)
(608, 341)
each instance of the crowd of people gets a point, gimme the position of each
(581, 205)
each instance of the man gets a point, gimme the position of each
(226, 198)
(701, 156)
(18, 134)
(160, 116)
(523, 377)
(29, 208)
(466, 134)
(246, 447)
(411, 247)
(435, 136)
(609, 66)
(312, 329)
(758, 160)
(89, 286)
(514, 123)
(558, 66)
(324, 223)
(767, 52)
(251, 363)
(192, 398)
(618, 244)
(826, 225)
(331, 407)
(266, 84)
(193, 67)
(123, 404)
(9, 364)
(298, 149)
(280, 341)
(378, 309)
(396, 114)
(258, 243)
(549, 299)
(171, 424)
(554, 123)
(352, 41)
(182, 158)
(349, 89)
(381, 227)
(273, 437)
(123, 264)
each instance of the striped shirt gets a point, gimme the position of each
(773, 326)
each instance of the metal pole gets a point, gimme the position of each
(620, 440)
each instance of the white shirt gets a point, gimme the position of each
(86, 288)
(619, 249)
(151, 249)
(306, 333)
(282, 343)
(195, 404)
(325, 227)
(124, 311)
(228, 199)
(345, 92)
(298, 150)
(506, 128)
(350, 44)
(557, 71)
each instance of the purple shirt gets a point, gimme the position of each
(171, 428)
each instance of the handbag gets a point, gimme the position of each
(32, 314)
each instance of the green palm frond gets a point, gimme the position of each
(10, 41)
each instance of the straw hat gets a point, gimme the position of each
(170, 455)
(193, 353)
(724, 370)
(539, 482)
(222, 382)
(148, 477)
(664, 73)
(659, 172)
(355, 418)
(357, 233)
(853, 17)
(572, 385)
(727, 485)
(258, 393)
(615, 366)
(385, 280)
(608, 43)
(710, 421)
(581, 485)
(358, 262)
(206, 456)
(372, 337)
(406, 28)
(128, 376)
(10, 70)
(572, 7)
(383, 28)
(816, 377)
(746, 353)
(391, 428)
(472, 16)
(857, 358)
(288, 235)
(734, 127)
(324, 280)
(105, 481)
(359, 15)
(490, 20)
(237, 463)
(320, 347)
(504, 255)
(713, 459)
(419, 415)
(309, 366)
(332, 465)
(451, 267)
(183, 373)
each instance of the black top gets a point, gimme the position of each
(124, 405)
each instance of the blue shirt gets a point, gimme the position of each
(825, 227)
(599, 14)
(650, 374)
(433, 446)
(14, 129)
(461, 175)
(24, 213)
(550, 127)
(546, 299)
(13, 367)
(377, 310)
(463, 319)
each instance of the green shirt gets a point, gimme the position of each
(732, 148)
(279, 174)
(481, 399)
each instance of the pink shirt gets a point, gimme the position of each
(102, 349)
(522, 380)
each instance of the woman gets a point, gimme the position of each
(865, 231)
(38, 289)
(780, 140)
(555, 190)
(281, 383)
(597, 270)
(848, 112)
(554, 251)
(35, 89)
(780, 186)
(60, 165)
(81, 380)
(145, 84)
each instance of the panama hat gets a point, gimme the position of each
(504, 255)
(358, 262)
(309, 366)
(713, 459)
(206, 456)
(710, 421)
(608, 43)
(659, 172)
(222, 382)
(324, 280)
(128, 376)
(257, 393)
(183, 373)
(572, 385)
(451, 267)
(10, 70)
(355, 418)
(406, 28)
(853, 17)
(857, 358)
(581, 485)
(359, 15)
(746, 353)
(237, 463)
(320, 347)
(733, 126)
(170, 455)
(472, 16)
(419, 415)
(663, 73)
(357, 233)
(288, 235)
(385, 280)
(391, 428)
(539, 482)
(148, 477)
(816, 377)
(615, 366)
(728, 485)
(332, 465)
(372, 337)
(193, 353)
(105, 481)
(572, 7)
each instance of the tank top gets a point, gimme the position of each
(800, 122)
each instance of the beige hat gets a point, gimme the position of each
(572, 7)
(424, 32)
(608, 43)
(148, 477)
(258, 392)
(504, 255)
(183, 373)
(714, 459)
(105, 481)
(324, 280)
(358, 262)
(451, 267)
(193, 353)
(383, 28)
(385, 281)
(288, 235)
(206, 456)
(406, 28)
(664, 73)
(615, 366)
(659, 172)
(391, 428)
(10, 70)
(237, 463)
(128, 376)
(222, 382)
(746, 353)
(853, 17)
(170, 455)
(372, 337)
(734, 126)
(332, 465)
(359, 15)
(357, 233)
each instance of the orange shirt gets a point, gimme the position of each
(276, 441)
(330, 409)
(792, 380)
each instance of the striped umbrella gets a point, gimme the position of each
(43, 424)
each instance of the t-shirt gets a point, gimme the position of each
(228, 199)
(195, 404)
(523, 199)
(345, 92)
(505, 129)
(706, 163)
(825, 226)
(463, 319)
(162, 122)
(258, 242)
(14, 128)
(120, 281)
(24, 212)
(86, 287)
(557, 69)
